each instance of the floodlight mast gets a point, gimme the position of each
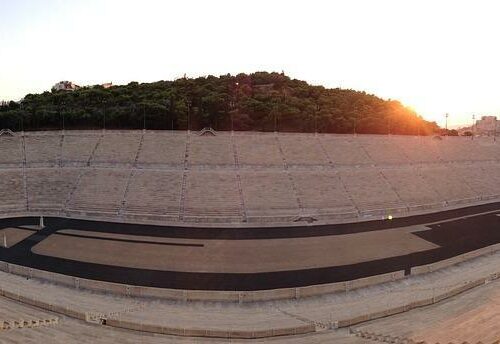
(473, 126)
(495, 131)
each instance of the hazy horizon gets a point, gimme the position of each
(433, 57)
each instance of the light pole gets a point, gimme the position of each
(318, 108)
(495, 131)
(62, 115)
(166, 113)
(104, 115)
(235, 105)
(473, 125)
(188, 103)
(22, 119)
(446, 123)
(275, 119)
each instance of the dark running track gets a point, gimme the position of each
(454, 236)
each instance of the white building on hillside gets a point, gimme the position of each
(65, 86)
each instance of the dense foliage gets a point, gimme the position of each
(261, 101)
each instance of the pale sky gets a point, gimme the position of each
(434, 56)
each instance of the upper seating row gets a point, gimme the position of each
(173, 149)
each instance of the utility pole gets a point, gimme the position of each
(235, 105)
(473, 126)
(275, 120)
(104, 116)
(495, 131)
(188, 103)
(318, 108)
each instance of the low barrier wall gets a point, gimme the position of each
(259, 220)
(197, 332)
(415, 304)
(236, 296)
(422, 269)
(154, 328)
(199, 295)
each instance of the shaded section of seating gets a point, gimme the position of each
(258, 150)
(268, 194)
(117, 148)
(370, 191)
(77, 149)
(211, 150)
(448, 183)
(302, 150)
(48, 188)
(154, 193)
(162, 149)
(212, 196)
(411, 187)
(12, 197)
(322, 192)
(99, 190)
(11, 152)
(43, 150)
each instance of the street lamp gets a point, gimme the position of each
(275, 119)
(167, 108)
(235, 105)
(446, 124)
(61, 113)
(318, 108)
(104, 115)
(495, 131)
(188, 104)
(473, 125)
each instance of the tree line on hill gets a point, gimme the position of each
(260, 101)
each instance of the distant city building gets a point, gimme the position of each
(487, 125)
(107, 85)
(65, 86)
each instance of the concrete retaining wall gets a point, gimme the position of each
(422, 269)
(234, 296)
(415, 304)
(153, 328)
(259, 220)
(194, 332)
(198, 295)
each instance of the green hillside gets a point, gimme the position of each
(260, 101)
